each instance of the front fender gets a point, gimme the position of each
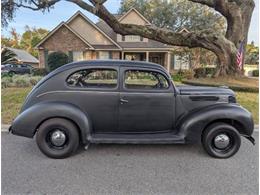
(27, 122)
(191, 125)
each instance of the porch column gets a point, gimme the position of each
(147, 56)
(122, 57)
(168, 61)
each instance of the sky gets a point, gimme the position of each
(64, 10)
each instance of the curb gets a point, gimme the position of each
(4, 128)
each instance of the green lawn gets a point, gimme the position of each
(250, 102)
(12, 99)
(229, 81)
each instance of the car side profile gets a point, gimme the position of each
(12, 69)
(129, 102)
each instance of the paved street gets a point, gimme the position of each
(127, 169)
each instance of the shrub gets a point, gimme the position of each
(39, 72)
(204, 72)
(255, 73)
(20, 81)
(179, 75)
(6, 81)
(57, 59)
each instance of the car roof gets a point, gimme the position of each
(109, 62)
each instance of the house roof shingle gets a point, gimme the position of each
(150, 44)
(23, 55)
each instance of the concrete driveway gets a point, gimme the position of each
(127, 169)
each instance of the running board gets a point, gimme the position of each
(162, 138)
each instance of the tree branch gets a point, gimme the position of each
(40, 6)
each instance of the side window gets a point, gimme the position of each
(93, 78)
(139, 79)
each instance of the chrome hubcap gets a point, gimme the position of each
(58, 138)
(221, 141)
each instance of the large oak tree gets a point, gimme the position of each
(236, 12)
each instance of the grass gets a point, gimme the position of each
(243, 82)
(12, 99)
(251, 102)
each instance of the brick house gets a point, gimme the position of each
(82, 39)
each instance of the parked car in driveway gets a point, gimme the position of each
(16, 69)
(129, 102)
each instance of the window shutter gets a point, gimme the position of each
(110, 55)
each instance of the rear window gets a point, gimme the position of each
(93, 78)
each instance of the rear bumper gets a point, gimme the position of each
(251, 139)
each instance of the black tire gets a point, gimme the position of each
(43, 138)
(219, 129)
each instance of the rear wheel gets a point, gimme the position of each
(221, 140)
(57, 138)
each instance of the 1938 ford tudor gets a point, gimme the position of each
(129, 102)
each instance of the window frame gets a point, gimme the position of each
(112, 68)
(154, 90)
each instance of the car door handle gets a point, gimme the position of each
(123, 101)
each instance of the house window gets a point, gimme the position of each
(141, 39)
(93, 78)
(77, 56)
(103, 55)
(132, 38)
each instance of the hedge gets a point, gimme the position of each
(20, 81)
(57, 59)
(255, 73)
(235, 88)
(39, 72)
(179, 75)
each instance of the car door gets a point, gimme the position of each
(147, 101)
(98, 94)
(25, 69)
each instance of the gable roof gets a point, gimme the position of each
(57, 28)
(79, 13)
(138, 13)
(130, 45)
(23, 55)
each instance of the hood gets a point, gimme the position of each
(196, 90)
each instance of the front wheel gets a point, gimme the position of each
(221, 140)
(57, 138)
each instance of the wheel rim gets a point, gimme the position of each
(57, 138)
(221, 141)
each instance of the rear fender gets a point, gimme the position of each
(29, 120)
(191, 125)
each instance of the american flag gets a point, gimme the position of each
(240, 55)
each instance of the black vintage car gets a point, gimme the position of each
(129, 102)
